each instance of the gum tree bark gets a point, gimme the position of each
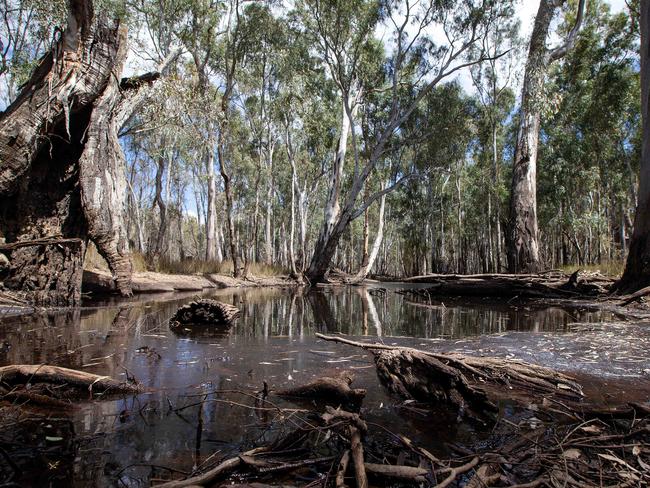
(637, 266)
(523, 247)
(62, 174)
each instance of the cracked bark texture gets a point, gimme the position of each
(62, 176)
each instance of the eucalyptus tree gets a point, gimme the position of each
(27, 29)
(523, 245)
(414, 65)
(590, 150)
(637, 266)
(493, 81)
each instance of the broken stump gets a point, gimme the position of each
(204, 313)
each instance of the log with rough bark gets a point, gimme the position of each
(204, 312)
(55, 386)
(454, 379)
(61, 177)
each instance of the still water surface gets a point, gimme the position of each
(118, 443)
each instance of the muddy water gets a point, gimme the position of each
(131, 442)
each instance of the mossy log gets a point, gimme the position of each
(204, 312)
(47, 385)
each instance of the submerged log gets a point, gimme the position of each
(47, 385)
(335, 390)
(204, 312)
(454, 379)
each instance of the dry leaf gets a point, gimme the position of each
(591, 429)
(572, 453)
(618, 460)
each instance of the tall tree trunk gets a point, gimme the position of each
(637, 266)
(523, 246)
(62, 175)
(329, 234)
(376, 245)
(268, 234)
(211, 215)
(160, 202)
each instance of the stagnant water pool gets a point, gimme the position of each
(131, 442)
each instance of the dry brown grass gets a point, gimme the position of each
(612, 269)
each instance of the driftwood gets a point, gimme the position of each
(204, 312)
(356, 429)
(209, 477)
(56, 386)
(335, 390)
(453, 378)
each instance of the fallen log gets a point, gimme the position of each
(510, 286)
(55, 386)
(204, 312)
(453, 378)
(334, 390)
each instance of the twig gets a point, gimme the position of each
(457, 471)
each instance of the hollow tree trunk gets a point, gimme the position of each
(637, 266)
(62, 167)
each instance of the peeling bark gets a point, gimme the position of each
(523, 246)
(62, 173)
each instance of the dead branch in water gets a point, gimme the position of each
(335, 390)
(54, 386)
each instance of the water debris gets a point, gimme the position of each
(56, 386)
(204, 312)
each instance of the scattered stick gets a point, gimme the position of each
(212, 475)
(405, 473)
(343, 467)
(455, 472)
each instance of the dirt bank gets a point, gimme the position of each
(98, 282)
